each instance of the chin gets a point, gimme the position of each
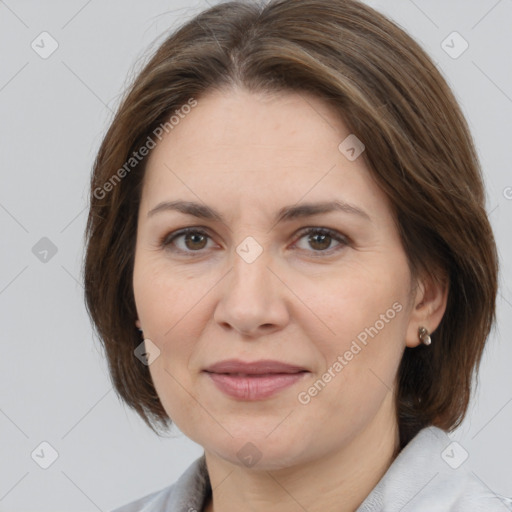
(259, 451)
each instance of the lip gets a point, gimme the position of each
(264, 366)
(256, 380)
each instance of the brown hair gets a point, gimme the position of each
(418, 148)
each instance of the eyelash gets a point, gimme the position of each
(167, 240)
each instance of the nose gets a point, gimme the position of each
(252, 300)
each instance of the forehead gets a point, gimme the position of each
(260, 147)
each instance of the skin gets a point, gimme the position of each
(303, 302)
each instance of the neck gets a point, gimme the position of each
(340, 481)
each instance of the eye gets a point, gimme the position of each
(321, 239)
(192, 240)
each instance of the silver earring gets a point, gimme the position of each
(424, 336)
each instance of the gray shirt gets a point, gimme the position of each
(430, 474)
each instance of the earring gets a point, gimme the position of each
(424, 336)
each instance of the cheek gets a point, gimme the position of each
(165, 295)
(366, 310)
(169, 303)
(360, 297)
(172, 376)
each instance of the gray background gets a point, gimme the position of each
(54, 111)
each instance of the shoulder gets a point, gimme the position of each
(432, 473)
(156, 501)
(187, 494)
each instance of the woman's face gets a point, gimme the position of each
(263, 277)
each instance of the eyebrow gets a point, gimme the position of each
(286, 213)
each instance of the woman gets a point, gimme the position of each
(282, 259)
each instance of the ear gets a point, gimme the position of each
(137, 324)
(430, 298)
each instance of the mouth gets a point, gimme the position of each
(249, 381)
